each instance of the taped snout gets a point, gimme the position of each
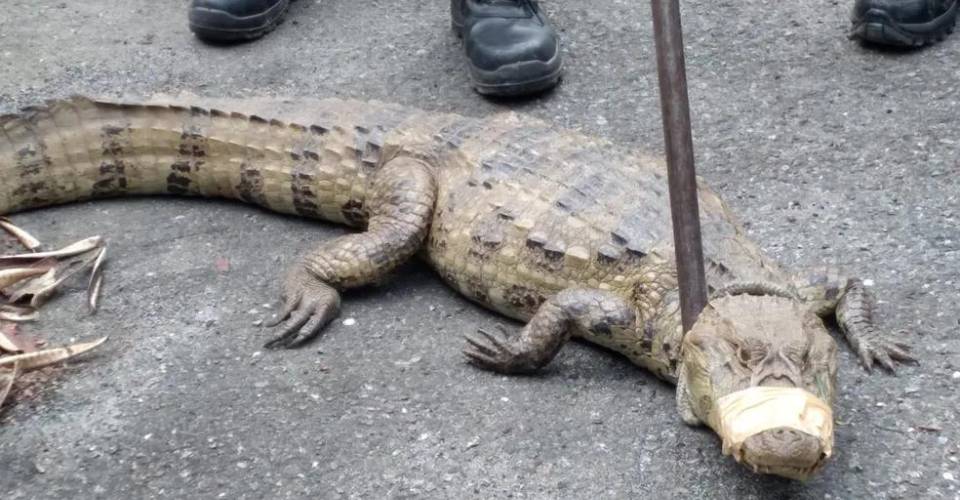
(776, 430)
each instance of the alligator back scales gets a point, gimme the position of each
(523, 210)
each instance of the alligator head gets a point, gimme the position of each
(761, 372)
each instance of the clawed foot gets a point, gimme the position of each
(309, 305)
(875, 348)
(494, 352)
(855, 315)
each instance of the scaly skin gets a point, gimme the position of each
(568, 233)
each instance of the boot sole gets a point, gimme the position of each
(515, 79)
(220, 26)
(877, 26)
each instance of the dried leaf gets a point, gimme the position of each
(77, 248)
(66, 270)
(46, 263)
(39, 359)
(26, 239)
(11, 340)
(40, 289)
(6, 381)
(24, 343)
(22, 260)
(34, 286)
(96, 280)
(17, 314)
(10, 277)
(93, 294)
(7, 344)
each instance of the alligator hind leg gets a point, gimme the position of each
(852, 303)
(400, 207)
(591, 312)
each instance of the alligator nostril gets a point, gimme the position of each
(784, 436)
(783, 448)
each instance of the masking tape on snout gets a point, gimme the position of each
(751, 411)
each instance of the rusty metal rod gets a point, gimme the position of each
(681, 173)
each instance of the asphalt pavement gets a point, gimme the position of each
(829, 151)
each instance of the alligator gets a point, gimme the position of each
(567, 233)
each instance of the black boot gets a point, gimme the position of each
(235, 20)
(511, 47)
(905, 23)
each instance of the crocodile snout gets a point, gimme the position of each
(785, 452)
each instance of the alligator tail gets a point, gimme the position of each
(80, 148)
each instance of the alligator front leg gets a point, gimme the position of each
(852, 303)
(855, 316)
(400, 207)
(586, 311)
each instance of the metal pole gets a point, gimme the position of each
(680, 170)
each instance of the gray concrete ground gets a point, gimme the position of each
(832, 153)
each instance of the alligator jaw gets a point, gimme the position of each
(776, 430)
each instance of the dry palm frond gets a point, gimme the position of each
(17, 314)
(39, 359)
(33, 278)
(14, 275)
(71, 250)
(25, 238)
(6, 381)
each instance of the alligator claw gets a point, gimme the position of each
(877, 349)
(855, 315)
(291, 329)
(898, 351)
(289, 306)
(309, 306)
(476, 349)
(493, 352)
(480, 360)
(499, 343)
(885, 361)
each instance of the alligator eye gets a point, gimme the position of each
(797, 355)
